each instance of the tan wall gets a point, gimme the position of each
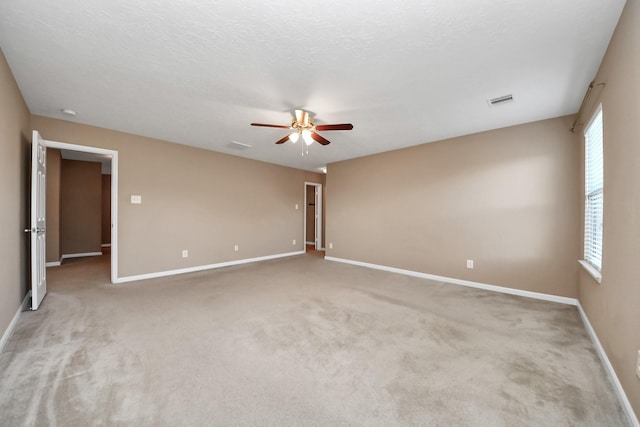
(506, 199)
(15, 138)
(54, 164)
(80, 207)
(193, 199)
(612, 306)
(106, 209)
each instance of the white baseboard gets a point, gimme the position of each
(68, 256)
(12, 325)
(105, 245)
(494, 288)
(611, 373)
(80, 255)
(310, 243)
(203, 267)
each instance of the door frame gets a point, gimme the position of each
(318, 214)
(114, 194)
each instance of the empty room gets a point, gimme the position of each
(319, 213)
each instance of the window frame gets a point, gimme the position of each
(590, 238)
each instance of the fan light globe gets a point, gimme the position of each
(293, 137)
(306, 135)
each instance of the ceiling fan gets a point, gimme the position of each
(303, 125)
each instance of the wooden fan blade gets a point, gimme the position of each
(283, 140)
(270, 126)
(320, 139)
(344, 126)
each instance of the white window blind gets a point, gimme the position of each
(594, 185)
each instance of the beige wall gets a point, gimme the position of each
(54, 164)
(612, 306)
(508, 199)
(80, 207)
(193, 199)
(106, 209)
(15, 138)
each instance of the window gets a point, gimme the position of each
(593, 201)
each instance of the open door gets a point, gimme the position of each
(318, 217)
(313, 213)
(38, 224)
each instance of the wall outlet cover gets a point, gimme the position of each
(469, 263)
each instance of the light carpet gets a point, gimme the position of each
(297, 341)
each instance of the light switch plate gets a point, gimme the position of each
(136, 200)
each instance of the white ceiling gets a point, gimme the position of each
(103, 159)
(197, 72)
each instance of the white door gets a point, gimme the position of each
(315, 218)
(318, 216)
(38, 205)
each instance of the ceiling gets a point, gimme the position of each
(198, 72)
(103, 159)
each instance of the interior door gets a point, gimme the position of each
(38, 224)
(318, 218)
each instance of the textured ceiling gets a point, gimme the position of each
(197, 72)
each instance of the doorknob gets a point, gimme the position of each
(34, 230)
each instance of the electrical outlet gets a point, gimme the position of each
(293, 242)
(297, 206)
(469, 263)
(235, 248)
(185, 253)
(330, 245)
(638, 365)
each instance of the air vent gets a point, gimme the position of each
(238, 145)
(500, 100)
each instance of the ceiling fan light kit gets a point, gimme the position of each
(303, 125)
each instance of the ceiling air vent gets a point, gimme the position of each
(500, 100)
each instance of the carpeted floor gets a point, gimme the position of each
(297, 341)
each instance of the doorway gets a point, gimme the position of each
(108, 159)
(313, 216)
